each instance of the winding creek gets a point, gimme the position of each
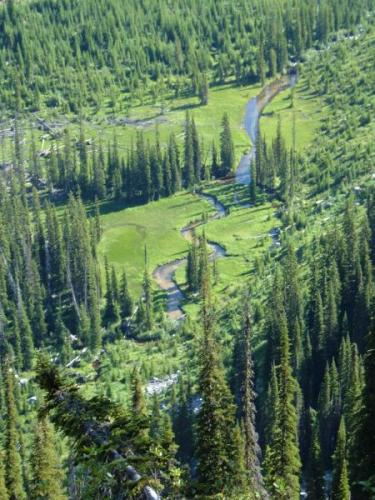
(164, 274)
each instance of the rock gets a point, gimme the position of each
(157, 386)
(132, 474)
(150, 493)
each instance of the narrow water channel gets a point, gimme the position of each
(164, 275)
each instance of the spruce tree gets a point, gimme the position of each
(111, 309)
(215, 165)
(3, 489)
(203, 90)
(189, 172)
(363, 462)
(46, 472)
(156, 168)
(174, 161)
(216, 416)
(192, 271)
(246, 375)
(126, 302)
(26, 337)
(261, 64)
(340, 481)
(227, 157)
(196, 153)
(283, 464)
(183, 422)
(253, 184)
(272, 404)
(167, 175)
(13, 466)
(315, 479)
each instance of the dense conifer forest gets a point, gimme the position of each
(187, 249)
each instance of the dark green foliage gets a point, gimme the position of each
(47, 475)
(183, 422)
(245, 393)
(253, 184)
(189, 173)
(203, 90)
(315, 468)
(312, 335)
(111, 314)
(126, 302)
(107, 439)
(364, 453)
(215, 421)
(178, 47)
(226, 147)
(340, 483)
(283, 462)
(13, 467)
(3, 489)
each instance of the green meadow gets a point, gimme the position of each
(244, 232)
(229, 98)
(157, 225)
(302, 112)
(165, 117)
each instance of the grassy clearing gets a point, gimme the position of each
(103, 124)
(307, 111)
(157, 225)
(244, 233)
(228, 98)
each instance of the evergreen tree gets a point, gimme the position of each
(138, 400)
(261, 72)
(156, 169)
(13, 466)
(315, 479)
(364, 453)
(226, 147)
(174, 161)
(192, 267)
(203, 90)
(283, 464)
(215, 166)
(111, 310)
(47, 476)
(272, 404)
(85, 421)
(216, 416)
(26, 337)
(196, 153)
(126, 302)
(3, 489)
(183, 422)
(246, 375)
(340, 482)
(253, 184)
(167, 175)
(99, 174)
(189, 172)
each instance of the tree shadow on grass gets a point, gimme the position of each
(186, 107)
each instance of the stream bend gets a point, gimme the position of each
(164, 274)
